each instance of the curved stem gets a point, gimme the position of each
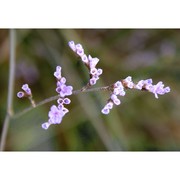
(56, 97)
(10, 89)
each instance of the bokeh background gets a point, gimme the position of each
(140, 123)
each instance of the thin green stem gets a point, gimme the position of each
(55, 98)
(9, 113)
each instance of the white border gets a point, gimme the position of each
(89, 14)
(90, 165)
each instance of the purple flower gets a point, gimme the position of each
(92, 81)
(115, 99)
(26, 88)
(26, 91)
(99, 71)
(66, 101)
(20, 94)
(139, 85)
(105, 110)
(57, 73)
(93, 71)
(64, 90)
(128, 82)
(55, 115)
(80, 52)
(118, 89)
(72, 45)
(159, 89)
(107, 107)
(88, 61)
(84, 59)
(92, 61)
(155, 89)
(45, 125)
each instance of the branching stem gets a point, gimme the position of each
(56, 97)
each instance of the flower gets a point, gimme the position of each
(117, 89)
(57, 73)
(26, 88)
(56, 113)
(20, 94)
(26, 91)
(159, 89)
(128, 82)
(155, 89)
(64, 90)
(88, 61)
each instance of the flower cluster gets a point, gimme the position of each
(56, 113)
(119, 87)
(25, 93)
(155, 89)
(116, 89)
(88, 61)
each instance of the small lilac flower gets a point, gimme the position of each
(109, 105)
(57, 73)
(117, 101)
(119, 89)
(58, 68)
(148, 81)
(159, 89)
(93, 71)
(60, 101)
(80, 52)
(62, 80)
(45, 125)
(92, 62)
(55, 115)
(72, 45)
(105, 111)
(99, 71)
(84, 59)
(148, 84)
(129, 82)
(26, 88)
(20, 94)
(79, 47)
(88, 61)
(92, 81)
(61, 106)
(64, 90)
(66, 101)
(65, 110)
(155, 89)
(139, 85)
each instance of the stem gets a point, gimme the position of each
(9, 112)
(55, 98)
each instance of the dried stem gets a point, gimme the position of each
(9, 113)
(56, 97)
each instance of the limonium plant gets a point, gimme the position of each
(117, 89)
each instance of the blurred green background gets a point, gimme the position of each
(140, 123)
